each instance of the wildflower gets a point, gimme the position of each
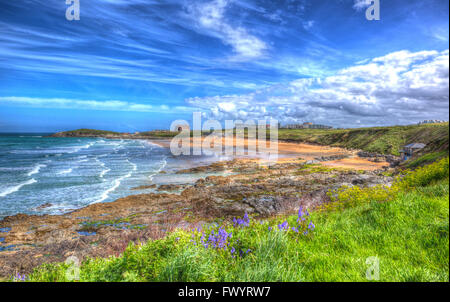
(245, 221)
(300, 214)
(232, 250)
(311, 226)
(19, 278)
(283, 226)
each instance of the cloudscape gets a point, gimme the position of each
(140, 64)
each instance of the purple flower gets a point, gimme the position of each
(20, 278)
(283, 226)
(245, 221)
(311, 226)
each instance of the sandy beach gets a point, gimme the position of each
(288, 152)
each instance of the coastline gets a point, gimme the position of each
(232, 188)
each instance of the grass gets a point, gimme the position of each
(425, 159)
(408, 233)
(88, 132)
(383, 140)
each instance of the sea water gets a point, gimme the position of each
(69, 173)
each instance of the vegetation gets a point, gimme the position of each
(88, 132)
(425, 159)
(159, 133)
(383, 140)
(405, 227)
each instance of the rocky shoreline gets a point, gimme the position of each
(104, 229)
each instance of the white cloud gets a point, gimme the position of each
(361, 4)
(398, 88)
(111, 105)
(307, 25)
(210, 18)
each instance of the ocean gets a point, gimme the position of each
(69, 173)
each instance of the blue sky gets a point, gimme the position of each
(131, 65)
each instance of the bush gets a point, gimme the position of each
(345, 196)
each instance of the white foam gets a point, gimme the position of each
(78, 148)
(17, 188)
(153, 144)
(163, 164)
(104, 172)
(116, 183)
(63, 172)
(36, 169)
(134, 166)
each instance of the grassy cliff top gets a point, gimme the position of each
(86, 132)
(383, 140)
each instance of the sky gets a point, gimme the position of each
(135, 65)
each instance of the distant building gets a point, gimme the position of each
(307, 125)
(410, 149)
(430, 122)
(182, 127)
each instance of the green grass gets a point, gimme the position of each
(383, 140)
(85, 132)
(425, 159)
(408, 234)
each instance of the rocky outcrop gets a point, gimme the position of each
(375, 157)
(332, 157)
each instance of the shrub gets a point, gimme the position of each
(345, 196)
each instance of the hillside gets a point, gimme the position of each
(85, 133)
(383, 140)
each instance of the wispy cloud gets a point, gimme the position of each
(109, 105)
(210, 18)
(361, 4)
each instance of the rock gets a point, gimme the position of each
(312, 162)
(43, 206)
(144, 187)
(171, 187)
(332, 157)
